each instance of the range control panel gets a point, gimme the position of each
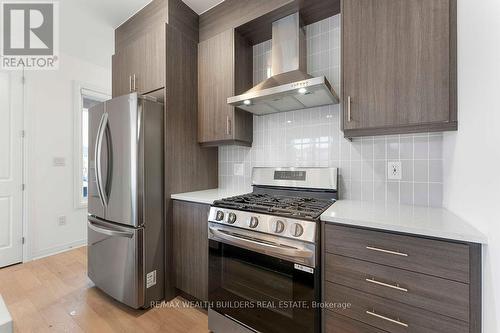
(269, 224)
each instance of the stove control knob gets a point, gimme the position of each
(231, 218)
(279, 226)
(254, 222)
(297, 230)
(219, 216)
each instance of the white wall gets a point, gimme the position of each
(472, 155)
(49, 118)
(85, 32)
(86, 47)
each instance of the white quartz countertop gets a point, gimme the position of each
(423, 221)
(205, 196)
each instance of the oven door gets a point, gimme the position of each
(258, 282)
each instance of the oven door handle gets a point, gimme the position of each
(255, 245)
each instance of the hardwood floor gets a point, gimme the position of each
(54, 294)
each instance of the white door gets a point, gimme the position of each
(11, 167)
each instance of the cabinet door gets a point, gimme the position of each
(215, 85)
(120, 74)
(140, 66)
(149, 60)
(397, 65)
(190, 244)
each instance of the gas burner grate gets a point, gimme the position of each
(294, 207)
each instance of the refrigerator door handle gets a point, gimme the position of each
(109, 176)
(109, 232)
(98, 150)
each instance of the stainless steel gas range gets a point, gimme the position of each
(264, 252)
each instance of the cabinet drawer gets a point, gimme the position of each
(388, 315)
(335, 323)
(427, 292)
(437, 258)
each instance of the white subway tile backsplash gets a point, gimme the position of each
(367, 148)
(313, 137)
(435, 146)
(435, 171)
(421, 171)
(392, 148)
(406, 170)
(406, 148)
(379, 148)
(368, 173)
(367, 191)
(435, 195)
(356, 171)
(356, 188)
(421, 147)
(406, 193)
(421, 194)
(392, 195)
(379, 170)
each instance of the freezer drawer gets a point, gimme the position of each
(115, 261)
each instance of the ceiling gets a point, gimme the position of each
(94, 22)
(200, 6)
(115, 12)
(111, 12)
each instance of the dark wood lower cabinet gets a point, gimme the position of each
(376, 281)
(438, 295)
(335, 323)
(389, 315)
(190, 244)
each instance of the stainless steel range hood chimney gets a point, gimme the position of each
(290, 87)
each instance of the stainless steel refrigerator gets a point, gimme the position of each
(125, 201)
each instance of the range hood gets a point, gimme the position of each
(290, 87)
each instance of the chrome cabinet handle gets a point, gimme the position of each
(109, 232)
(134, 87)
(254, 244)
(97, 154)
(394, 321)
(349, 109)
(396, 253)
(397, 287)
(130, 83)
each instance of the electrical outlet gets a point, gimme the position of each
(394, 170)
(61, 220)
(238, 169)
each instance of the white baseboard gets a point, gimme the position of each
(58, 249)
(6, 325)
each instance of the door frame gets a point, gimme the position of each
(24, 177)
(18, 77)
(79, 87)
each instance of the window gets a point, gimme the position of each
(85, 97)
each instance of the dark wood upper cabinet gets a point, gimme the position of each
(398, 66)
(190, 244)
(153, 14)
(140, 65)
(221, 75)
(225, 60)
(121, 79)
(151, 65)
